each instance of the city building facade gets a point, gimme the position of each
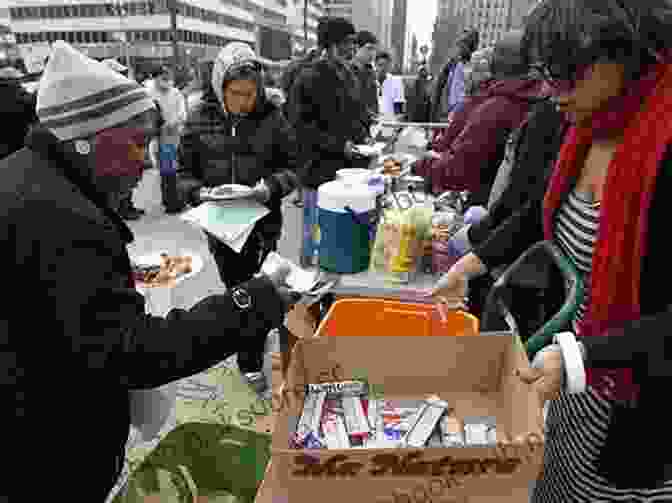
(492, 18)
(400, 34)
(372, 15)
(138, 31)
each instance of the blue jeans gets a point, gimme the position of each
(168, 171)
(310, 244)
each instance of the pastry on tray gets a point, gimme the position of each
(164, 273)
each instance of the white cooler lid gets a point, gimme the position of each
(335, 196)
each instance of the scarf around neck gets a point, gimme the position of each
(644, 116)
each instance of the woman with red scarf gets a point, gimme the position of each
(606, 207)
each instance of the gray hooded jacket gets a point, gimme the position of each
(220, 148)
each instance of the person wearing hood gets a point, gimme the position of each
(468, 153)
(238, 136)
(82, 319)
(18, 110)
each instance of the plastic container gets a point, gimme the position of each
(345, 214)
(393, 318)
(355, 175)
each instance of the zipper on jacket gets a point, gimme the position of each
(234, 160)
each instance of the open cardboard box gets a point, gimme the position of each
(474, 374)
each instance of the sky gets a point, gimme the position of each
(421, 16)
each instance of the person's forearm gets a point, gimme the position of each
(470, 266)
(209, 332)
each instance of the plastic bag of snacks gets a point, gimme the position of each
(400, 242)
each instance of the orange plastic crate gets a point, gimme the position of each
(356, 317)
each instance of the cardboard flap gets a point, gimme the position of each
(418, 362)
(522, 406)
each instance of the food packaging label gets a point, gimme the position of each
(338, 388)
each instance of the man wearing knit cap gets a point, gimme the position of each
(79, 340)
(362, 66)
(329, 118)
(126, 208)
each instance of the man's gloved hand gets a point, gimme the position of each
(279, 279)
(261, 192)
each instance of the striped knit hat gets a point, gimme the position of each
(78, 96)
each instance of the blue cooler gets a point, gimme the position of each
(345, 212)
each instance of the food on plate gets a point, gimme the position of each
(164, 273)
(391, 167)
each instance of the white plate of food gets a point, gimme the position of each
(370, 150)
(227, 192)
(164, 270)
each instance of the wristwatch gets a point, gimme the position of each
(241, 298)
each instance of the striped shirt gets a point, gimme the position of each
(576, 234)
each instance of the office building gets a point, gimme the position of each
(139, 31)
(400, 33)
(372, 15)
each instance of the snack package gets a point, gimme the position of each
(428, 419)
(480, 431)
(452, 431)
(398, 246)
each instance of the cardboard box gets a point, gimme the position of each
(474, 374)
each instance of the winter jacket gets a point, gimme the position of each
(326, 112)
(18, 111)
(419, 101)
(439, 92)
(472, 147)
(220, 148)
(368, 87)
(537, 146)
(79, 339)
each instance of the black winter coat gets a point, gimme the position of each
(217, 149)
(18, 112)
(74, 332)
(538, 144)
(326, 111)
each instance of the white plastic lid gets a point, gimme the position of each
(335, 196)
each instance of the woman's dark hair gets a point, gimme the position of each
(562, 34)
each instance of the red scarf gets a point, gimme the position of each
(622, 234)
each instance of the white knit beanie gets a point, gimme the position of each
(79, 97)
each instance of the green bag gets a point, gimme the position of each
(574, 295)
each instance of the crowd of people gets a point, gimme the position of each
(562, 130)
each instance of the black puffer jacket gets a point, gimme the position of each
(218, 149)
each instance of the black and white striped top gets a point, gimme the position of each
(576, 234)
